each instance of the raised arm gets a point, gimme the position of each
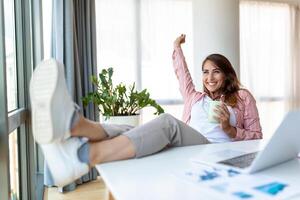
(186, 85)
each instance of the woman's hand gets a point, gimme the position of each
(223, 116)
(180, 40)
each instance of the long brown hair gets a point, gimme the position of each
(231, 84)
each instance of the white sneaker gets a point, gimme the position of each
(63, 162)
(52, 106)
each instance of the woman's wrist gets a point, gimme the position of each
(231, 131)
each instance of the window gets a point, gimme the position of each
(14, 165)
(12, 104)
(136, 39)
(116, 38)
(265, 36)
(10, 50)
(16, 144)
(157, 36)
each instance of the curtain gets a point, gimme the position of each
(270, 63)
(74, 45)
(294, 72)
(270, 46)
(264, 35)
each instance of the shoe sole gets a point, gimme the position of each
(42, 90)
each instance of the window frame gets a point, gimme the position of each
(4, 148)
(28, 43)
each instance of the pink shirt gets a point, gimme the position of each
(247, 126)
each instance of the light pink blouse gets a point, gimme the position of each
(248, 125)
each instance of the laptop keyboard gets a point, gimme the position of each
(242, 161)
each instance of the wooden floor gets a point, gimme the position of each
(94, 190)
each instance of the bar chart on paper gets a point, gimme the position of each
(232, 184)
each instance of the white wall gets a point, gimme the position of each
(216, 30)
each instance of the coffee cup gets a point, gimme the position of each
(211, 112)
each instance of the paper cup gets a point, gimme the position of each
(211, 112)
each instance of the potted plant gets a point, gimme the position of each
(118, 102)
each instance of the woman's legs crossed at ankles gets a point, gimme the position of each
(122, 142)
(61, 130)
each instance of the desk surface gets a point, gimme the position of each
(151, 177)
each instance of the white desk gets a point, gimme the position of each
(150, 178)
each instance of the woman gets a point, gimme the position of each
(56, 118)
(220, 83)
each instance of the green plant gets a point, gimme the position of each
(118, 100)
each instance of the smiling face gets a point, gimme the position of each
(213, 78)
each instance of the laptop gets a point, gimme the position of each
(283, 146)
